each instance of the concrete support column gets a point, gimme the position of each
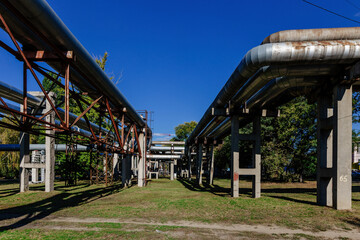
(172, 169)
(126, 170)
(335, 148)
(255, 169)
(342, 146)
(211, 172)
(256, 178)
(189, 163)
(141, 162)
(34, 175)
(199, 165)
(24, 159)
(175, 169)
(324, 151)
(234, 166)
(50, 149)
(115, 162)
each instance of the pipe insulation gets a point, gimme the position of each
(84, 72)
(287, 53)
(32, 147)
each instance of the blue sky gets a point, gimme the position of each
(174, 56)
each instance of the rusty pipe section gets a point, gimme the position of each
(321, 34)
(284, 53)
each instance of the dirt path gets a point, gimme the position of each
(260, 229)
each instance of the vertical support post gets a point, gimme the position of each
(172, 169)
(115, 165)
(67, 95)
(141, 165)
(342, 146)
(199, 161)
(234, 156)
(50, 149)
(24, 140)
(211, 177)
(124, 170)
(91, 169)
(24, 109)
(175, 169)
(106, 161)
(189, 159)
(324, 151)
(34, 175)
(256, 178)
(24, 158)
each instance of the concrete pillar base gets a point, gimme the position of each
(255, 171)
(334, 148)
(199, 164)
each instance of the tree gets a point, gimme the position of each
(296, 135)
(288, 144)
(183, 131)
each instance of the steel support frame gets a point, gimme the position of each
(28, 58)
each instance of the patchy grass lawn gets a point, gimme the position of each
(292, 205)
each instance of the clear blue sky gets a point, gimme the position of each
(175, 56)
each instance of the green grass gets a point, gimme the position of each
(290, 205)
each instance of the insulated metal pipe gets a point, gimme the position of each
(264, 96)
(314, 52)
(277, 86)
(44, 19)
(168, 143)
(58, 147)
(321, 34)
(154, 156)
(16, 95)
(161, 148)
(261, 77)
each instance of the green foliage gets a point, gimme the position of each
(222, 154)
(288, 144)
(296, 133)
(183, 131)
(9, 161)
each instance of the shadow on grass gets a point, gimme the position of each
(41, 209)
(224, 192)
(355, 221)
(214, 189)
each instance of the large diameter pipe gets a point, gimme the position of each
(32, 147)
(314, 52)
(162, 148)
(261, 77)
(321, 34)
(264, 96)
(277, 86)
(45, 20)
(158, 156)
(264, 74)
(168, 143)
(16, 95)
